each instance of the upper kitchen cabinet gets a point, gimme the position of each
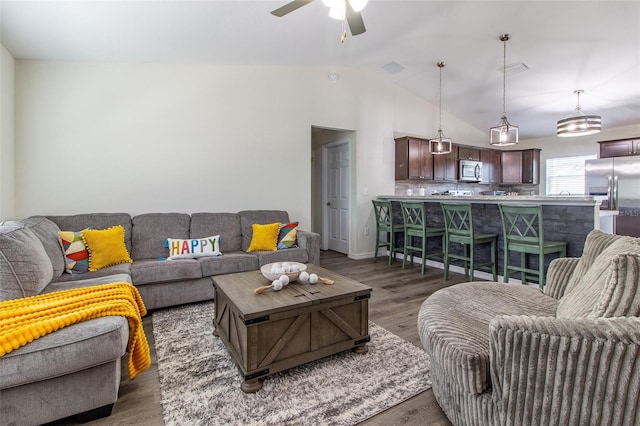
(413, 159)
(468, 153)
(521, 166)
(619, 147)
(490, 165)
(445, 166)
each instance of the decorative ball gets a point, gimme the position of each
(286, 268)
(304, 276)
(271, 271)
(294, 268)
(284, 279)
(277, 285)
(275, 267)
(313, 279)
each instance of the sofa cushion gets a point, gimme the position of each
(89, 280)
(295, 254)
(70, 349)
(95, 221)
(76, 255)
(47, 232)
(228, 263)
(453, 324)
(596, 242)
(144, 271)
(264, 237)
(106, 247)
(609, 287)
(151, 230)
(249, 217)
(25, 267)
(227, 225)
(122, 268)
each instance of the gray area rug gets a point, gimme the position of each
(200, 384)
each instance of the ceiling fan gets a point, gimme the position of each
(339, 9)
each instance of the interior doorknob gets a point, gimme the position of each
(328, 203)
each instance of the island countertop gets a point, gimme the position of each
(496, 199)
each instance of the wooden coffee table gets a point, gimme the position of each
(278, 330)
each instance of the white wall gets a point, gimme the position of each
(7, 74)
(138, 138)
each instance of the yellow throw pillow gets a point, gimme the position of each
(265, 237)
(106, 247)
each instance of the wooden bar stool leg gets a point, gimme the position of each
(523, 263)
(446, 259)
(392, 237)
(424, 253)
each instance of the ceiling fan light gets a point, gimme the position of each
(357, 5)
(338, 11)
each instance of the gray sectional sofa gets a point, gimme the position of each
(76, 370)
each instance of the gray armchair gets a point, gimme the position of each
(509, 354)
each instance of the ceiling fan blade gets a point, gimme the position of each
(356, 24)
(290, 7)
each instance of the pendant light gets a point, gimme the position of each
(579, 124)
(440, 144)
(504, 133)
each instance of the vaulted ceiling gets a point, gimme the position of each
(556, 47)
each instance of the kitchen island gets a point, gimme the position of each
(566, 218)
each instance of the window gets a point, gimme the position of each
(566, 174)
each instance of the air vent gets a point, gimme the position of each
(392, 67)
(516, 68)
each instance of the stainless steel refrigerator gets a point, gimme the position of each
(616, 182)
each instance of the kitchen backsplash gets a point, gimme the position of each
(440, 187)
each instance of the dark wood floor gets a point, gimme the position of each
(395, 301)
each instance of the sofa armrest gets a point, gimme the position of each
(565, 371)
(558, 274)
(311, 242)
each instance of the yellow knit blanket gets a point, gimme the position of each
(26, 319)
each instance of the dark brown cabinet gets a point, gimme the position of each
(521, 166)
(445, 166)
(619, 147)
(468, 153)
(490, 165)
(413, 160)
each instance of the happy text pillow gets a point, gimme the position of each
(193, 248)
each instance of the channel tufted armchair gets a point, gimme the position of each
(510, 354)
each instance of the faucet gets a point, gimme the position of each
(563, 191)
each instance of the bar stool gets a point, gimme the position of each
(384, 224)
(458, 221)
(523, 231)
(415, 225)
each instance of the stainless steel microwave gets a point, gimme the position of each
(470, 171)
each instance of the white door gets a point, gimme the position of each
(338, 197)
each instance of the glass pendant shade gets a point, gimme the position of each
(440, 144)
(504, 133)
(580, 124)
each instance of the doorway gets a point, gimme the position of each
(331, 187)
